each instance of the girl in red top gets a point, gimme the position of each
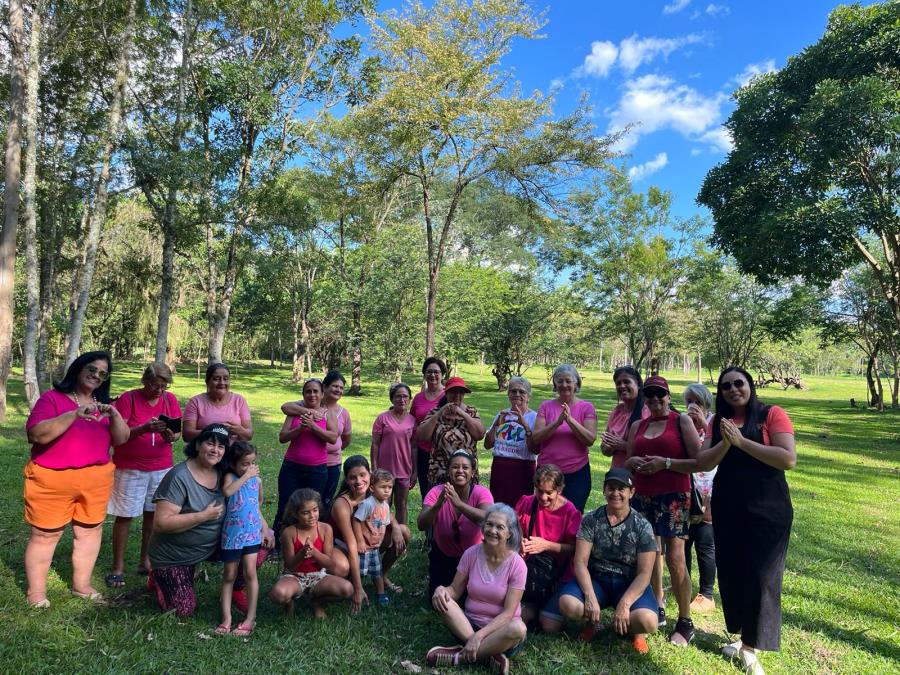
(306, 545)
(662, 451)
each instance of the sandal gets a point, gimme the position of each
(114, 580)
(223, 629)
(392, 587)
(93, 596)
(43, 603)
(244, 629)
(685, 628)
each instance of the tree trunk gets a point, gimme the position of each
(98, 216)
(871, 367)
(431, 309)
(167, 288)
(356, 354)
(12, 174)
(49, 246)
(32, 268)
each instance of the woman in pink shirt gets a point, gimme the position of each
(454, 511)
(492, 576)
(433, 370)
(392, 447)
(141, 463)
(69, 477)
(218, 405)
(630, 409)
(564, 430)
(308, 433)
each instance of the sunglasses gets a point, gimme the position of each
(653, 392)
(726, 386)
(96, 372)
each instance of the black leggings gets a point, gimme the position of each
(700, 536)
(441, 569)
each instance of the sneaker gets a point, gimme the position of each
(239, 598)
(382, 599)
(730, 651)
(661, 618)
(639, 642)
(702, 605)
(499, 663)
(442, 656)
(750, 662)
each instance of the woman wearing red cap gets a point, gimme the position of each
(451, 426)
(662, 451)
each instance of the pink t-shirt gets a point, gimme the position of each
(204, 411)
(469, 532)
(307, 448)
(395, 451)
(559, 526)
(85, 443)
(334, 449)
(420, 408)
(563, 448)
(617, 425)
(487, 589)
(148, 451)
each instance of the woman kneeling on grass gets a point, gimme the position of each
(492, 575)
(614, 557)
(306, 547)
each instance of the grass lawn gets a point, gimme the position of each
(841, 601)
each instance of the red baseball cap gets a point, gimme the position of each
(656, 381)
(457, 383)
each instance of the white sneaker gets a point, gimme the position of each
(731, 651)
(751, 663)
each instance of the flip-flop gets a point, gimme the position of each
(223, 629)
(114, 580)
(94, 596)
(244, 630)
(392, 587)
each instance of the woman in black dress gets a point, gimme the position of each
(753, 445)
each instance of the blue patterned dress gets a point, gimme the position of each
(242, 526)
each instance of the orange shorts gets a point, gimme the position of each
(54, 498)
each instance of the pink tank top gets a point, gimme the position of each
(307, 448)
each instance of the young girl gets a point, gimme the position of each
(306, 546)
(243, 532)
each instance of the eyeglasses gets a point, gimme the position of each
(159, 386)
(726, 386)
(96, 372)
(433, 372)
(517, 392)
(654, 392)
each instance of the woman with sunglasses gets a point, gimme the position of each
(141, 463)
(753, 445)
(307, 429)
(218, 405)
(661, 455)
(454, 511)
(70, 476)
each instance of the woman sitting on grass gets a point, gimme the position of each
(492, 577)
(614, 556)
(307, 546)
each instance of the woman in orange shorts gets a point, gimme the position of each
(70, 476)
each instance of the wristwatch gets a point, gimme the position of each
(668, 463)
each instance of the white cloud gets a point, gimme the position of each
(718, 139)
(653, 102)
(753, 69)
(634, 51)
(675, 6)
(695, 152)
(600, 60)
(556, 85)
(718, 10)
(641, 171)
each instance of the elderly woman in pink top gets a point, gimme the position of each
(492, 576)
(308, 433)
(564, 430)
(218, 405)
(141, 463)
(69, 477)
(630, 409)
(392, 447)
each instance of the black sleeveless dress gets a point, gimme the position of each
(752, 526)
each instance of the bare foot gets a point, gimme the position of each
(319, 612)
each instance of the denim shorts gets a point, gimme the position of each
(609, 589)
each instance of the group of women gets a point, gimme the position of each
(539, 563)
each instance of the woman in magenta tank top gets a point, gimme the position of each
(308, 433)
(662, 451)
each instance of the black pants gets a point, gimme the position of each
(422, 458)
(334, 476)
(700, 536)
(441, 569)
(292, 477)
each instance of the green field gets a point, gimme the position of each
(841, 601)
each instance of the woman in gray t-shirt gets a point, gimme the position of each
(188, 522)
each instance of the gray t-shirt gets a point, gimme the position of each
(614, 549)
(168, 549)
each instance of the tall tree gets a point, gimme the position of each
(13, 172)
(812, 181)
(447, 113)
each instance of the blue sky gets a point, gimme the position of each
(668, 65)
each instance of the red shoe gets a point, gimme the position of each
(443, 656)
(639, 642)
(239, 598)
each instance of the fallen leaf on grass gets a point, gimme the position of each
(204, 636)
(150, 637)
(411, 667)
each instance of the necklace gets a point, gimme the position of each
(74, 397)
